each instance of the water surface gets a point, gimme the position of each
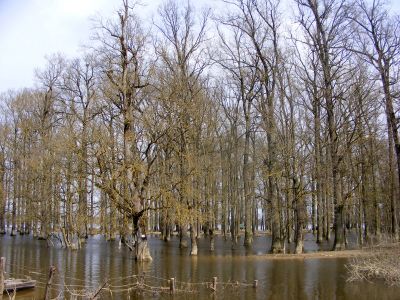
(88, 268)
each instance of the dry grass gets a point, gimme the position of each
(382, 264)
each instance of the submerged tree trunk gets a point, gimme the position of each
(193, 240)
(183, 243)
(2, 217)
(247, 186)
(299, 214)
(142, 250)
(234, 199)
(340, 241)
(224, 194)
(212, 240)
(318, 174)
(2, 195)
(276, 246)
(14, 201)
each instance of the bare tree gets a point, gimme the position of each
(78, 95)
(259, 21)
(122, 55)
(3, 189)
(378, 42)
(243, 79)
(324, 23)
(181, 51)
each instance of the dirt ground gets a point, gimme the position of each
(321, 254)
(369, 251)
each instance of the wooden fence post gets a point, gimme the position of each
(49, 282)
(255, 283)
(2, 267)
(172, 285)
(214, 284)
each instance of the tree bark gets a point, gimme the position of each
(193, 241)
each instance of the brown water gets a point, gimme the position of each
(277, 279)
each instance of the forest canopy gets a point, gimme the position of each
(248, 119)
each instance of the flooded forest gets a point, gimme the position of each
(210, 137)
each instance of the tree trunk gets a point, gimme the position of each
(212, 240)
(376, 214)
(224, 193)
(193, 241)
(2, 195)
(313, 209)
(234, 187)
(318, 174)
(363, 204)
(299, 213)
(248, 236)
(339, 228)
(142, 251)
(183, 237)
(276, 246)
(393, 215)
(14, 201)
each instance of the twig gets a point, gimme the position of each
(99, 290)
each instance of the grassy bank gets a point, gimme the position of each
(381, 263)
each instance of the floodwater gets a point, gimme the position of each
(82, 271)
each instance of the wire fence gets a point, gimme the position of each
(65, 286)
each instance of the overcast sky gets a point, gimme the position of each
(32, 29)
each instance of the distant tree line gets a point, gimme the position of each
(247, 119)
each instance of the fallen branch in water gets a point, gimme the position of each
(130, 247)
(96, 293)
